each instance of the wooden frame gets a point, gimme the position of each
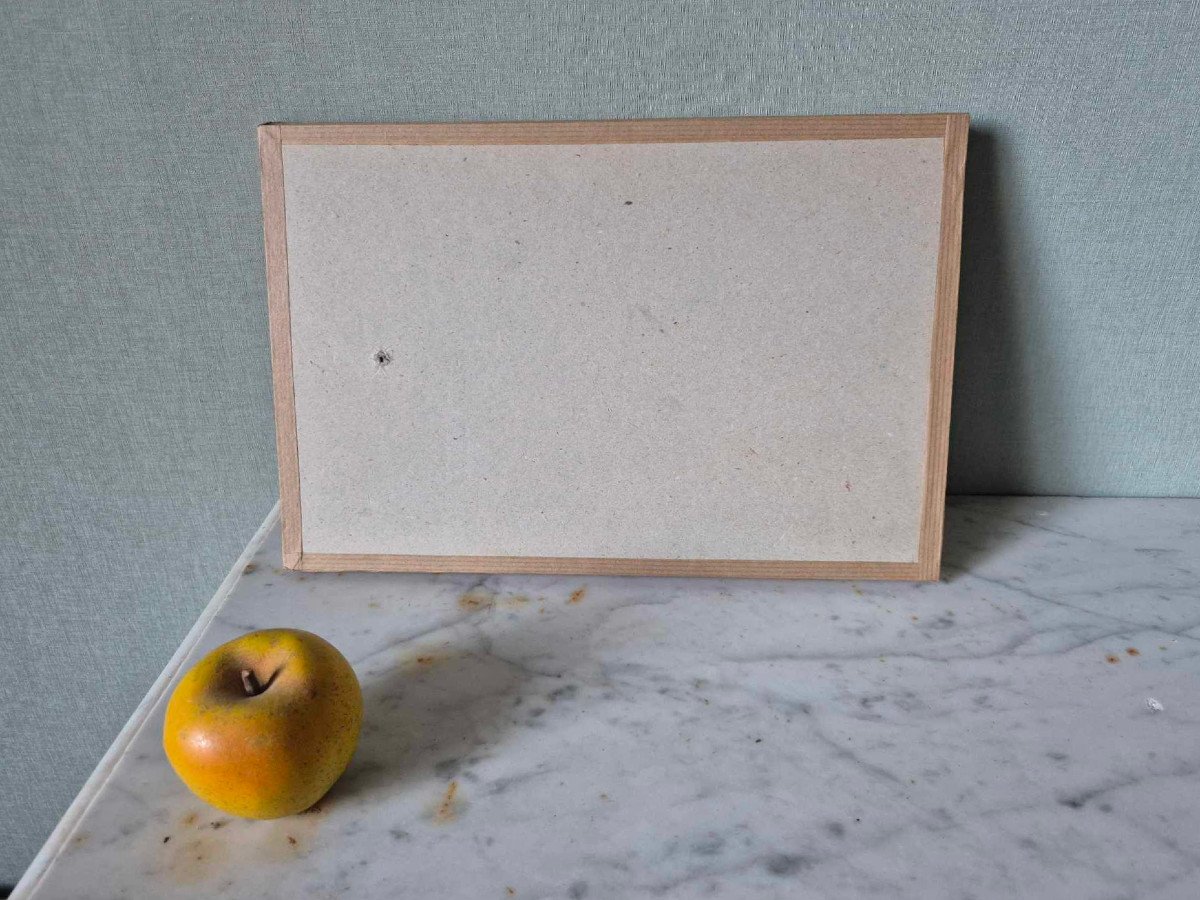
(951, 128)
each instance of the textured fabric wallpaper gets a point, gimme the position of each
(136, 452)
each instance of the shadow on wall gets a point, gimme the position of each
(990, 439)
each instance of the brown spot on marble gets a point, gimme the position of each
(577, 595)
(474, 601)
(285, 839)
(190, 818)
(421, 659)
(1133, 651)
(195, 860)
(1112, 658)
(447, 810)
(250, 569)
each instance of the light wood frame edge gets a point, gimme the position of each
(585, 565)
(951, 127)
(270, 155)
(627, 131)
(945, 320)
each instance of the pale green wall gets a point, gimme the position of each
(135, 424)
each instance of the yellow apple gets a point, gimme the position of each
(264, 725)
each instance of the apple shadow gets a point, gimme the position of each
(429, 717)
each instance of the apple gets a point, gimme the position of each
(264, 725)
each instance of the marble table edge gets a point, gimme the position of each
(62, 832)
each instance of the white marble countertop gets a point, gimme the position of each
(1029, 727)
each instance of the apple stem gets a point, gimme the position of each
(250, 683)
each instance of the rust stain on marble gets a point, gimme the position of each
(447, 810)
(421, 659)
(288, 838)
(475, 601)
(428, 660)
(196, 859)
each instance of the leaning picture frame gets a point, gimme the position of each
(689, 347)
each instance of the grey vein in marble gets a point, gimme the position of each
(988, 736)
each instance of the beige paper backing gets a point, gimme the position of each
(664, 351)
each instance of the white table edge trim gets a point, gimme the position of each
(91, 788)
